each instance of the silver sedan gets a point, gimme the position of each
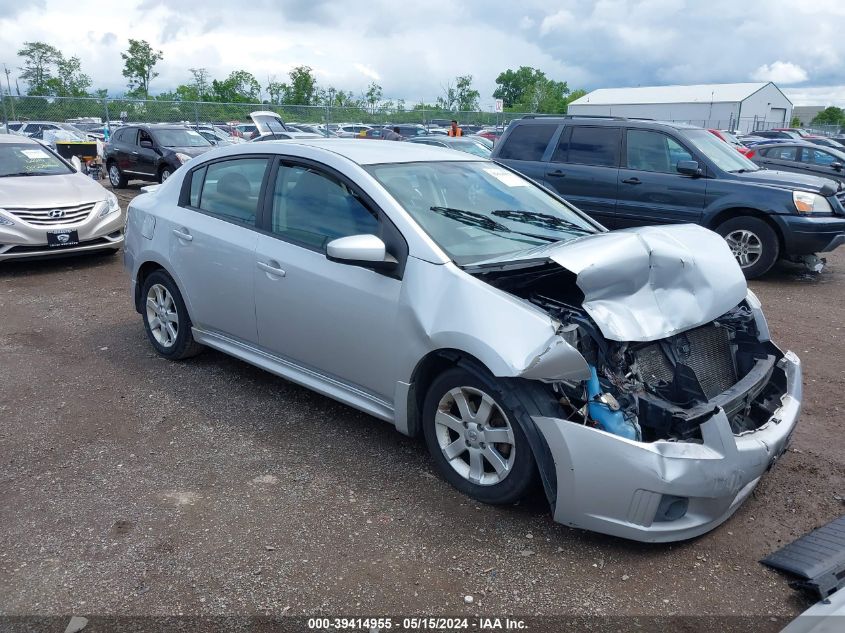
(628, 373)
(48, 208)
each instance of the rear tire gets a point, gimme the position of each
(165, 173)
(117, 178)
(166, 319)
(753, 243)
(473, 429)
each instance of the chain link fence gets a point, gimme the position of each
(60, 109)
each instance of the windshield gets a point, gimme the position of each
(477, 211)
(29, 159)
(180, 138)
(723, 155)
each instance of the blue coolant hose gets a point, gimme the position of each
(606, 418)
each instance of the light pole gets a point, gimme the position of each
(9, 90)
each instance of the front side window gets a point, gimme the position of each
(312, 208)
(230, 189)
(29, 159)
(653, 151)
(180, 138)
(593, 146)
(479, 211)
(818, 157)
(527, 142)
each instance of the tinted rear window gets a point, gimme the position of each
(592, 146)
(527, 142)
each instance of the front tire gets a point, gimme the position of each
(164, 174)
(166, 319)
(753, 243)
(475, 438)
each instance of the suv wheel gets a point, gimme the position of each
(165, 173)
(475, 439)
(753, 243)
(117, 178)
(166, 319)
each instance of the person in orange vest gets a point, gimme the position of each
(454, 130)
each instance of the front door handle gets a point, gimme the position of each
(557, 174)
(632, 181)
(183, 235)
(272, 269)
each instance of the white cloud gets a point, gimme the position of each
(526, 22)
(780, 73)
(556, 21)
(367, 71)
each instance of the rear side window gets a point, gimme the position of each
(231, 188)
(527, 142)
(592, 146)
(781, 153)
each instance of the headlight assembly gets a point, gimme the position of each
(806, 202)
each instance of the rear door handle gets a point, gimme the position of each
(557, 174)
(183, 235)
(272, 268)
(632, 181)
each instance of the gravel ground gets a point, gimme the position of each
(133, 485)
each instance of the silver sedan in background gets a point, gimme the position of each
(630, 373)
(48, 208)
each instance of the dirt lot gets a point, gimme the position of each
(133, 485)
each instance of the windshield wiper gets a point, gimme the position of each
(21, 173)
(472, 218)
(541, 220)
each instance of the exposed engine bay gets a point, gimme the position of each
(662, 389)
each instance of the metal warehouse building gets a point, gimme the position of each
(745, 107)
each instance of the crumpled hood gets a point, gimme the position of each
(651, 282)
(63, 190)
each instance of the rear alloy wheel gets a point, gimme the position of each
(166, 319)
(117, 178)
(475, 439)
(753, 243)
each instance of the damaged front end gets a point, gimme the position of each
(666, 435)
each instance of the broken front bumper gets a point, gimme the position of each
(612, 485)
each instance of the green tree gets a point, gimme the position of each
(513, 86)
(467, 96)
(69, 81)
(37, 70)
(372, 96)
(830, 116)
(795, 122)
(275, 90)
(529, 90)
(138, 63)
(239, 87)
(302, 89)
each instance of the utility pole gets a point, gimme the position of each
(9, 90)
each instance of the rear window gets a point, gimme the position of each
(591, 146)
(527, 142)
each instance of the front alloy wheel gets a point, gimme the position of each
(475, 436)
(474, 429)
(166, 319)
(745, 246)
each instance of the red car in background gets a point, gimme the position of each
(731, 140)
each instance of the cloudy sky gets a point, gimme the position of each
(414, 47)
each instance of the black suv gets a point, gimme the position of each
(630, 172)
(150, 152)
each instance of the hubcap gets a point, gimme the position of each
(745, 246)
(161, 315)
(114, 175)
(165, 175)
(475, 436)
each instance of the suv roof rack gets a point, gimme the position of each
(587, 116)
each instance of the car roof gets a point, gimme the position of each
(367, 152)
(15, 138)
(602, 120)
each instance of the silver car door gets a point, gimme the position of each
(212, 244)
(335, 318)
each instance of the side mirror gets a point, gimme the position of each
(836, 166)
(689, 168)
(77, 164)
(360, 250)
(147, 144)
